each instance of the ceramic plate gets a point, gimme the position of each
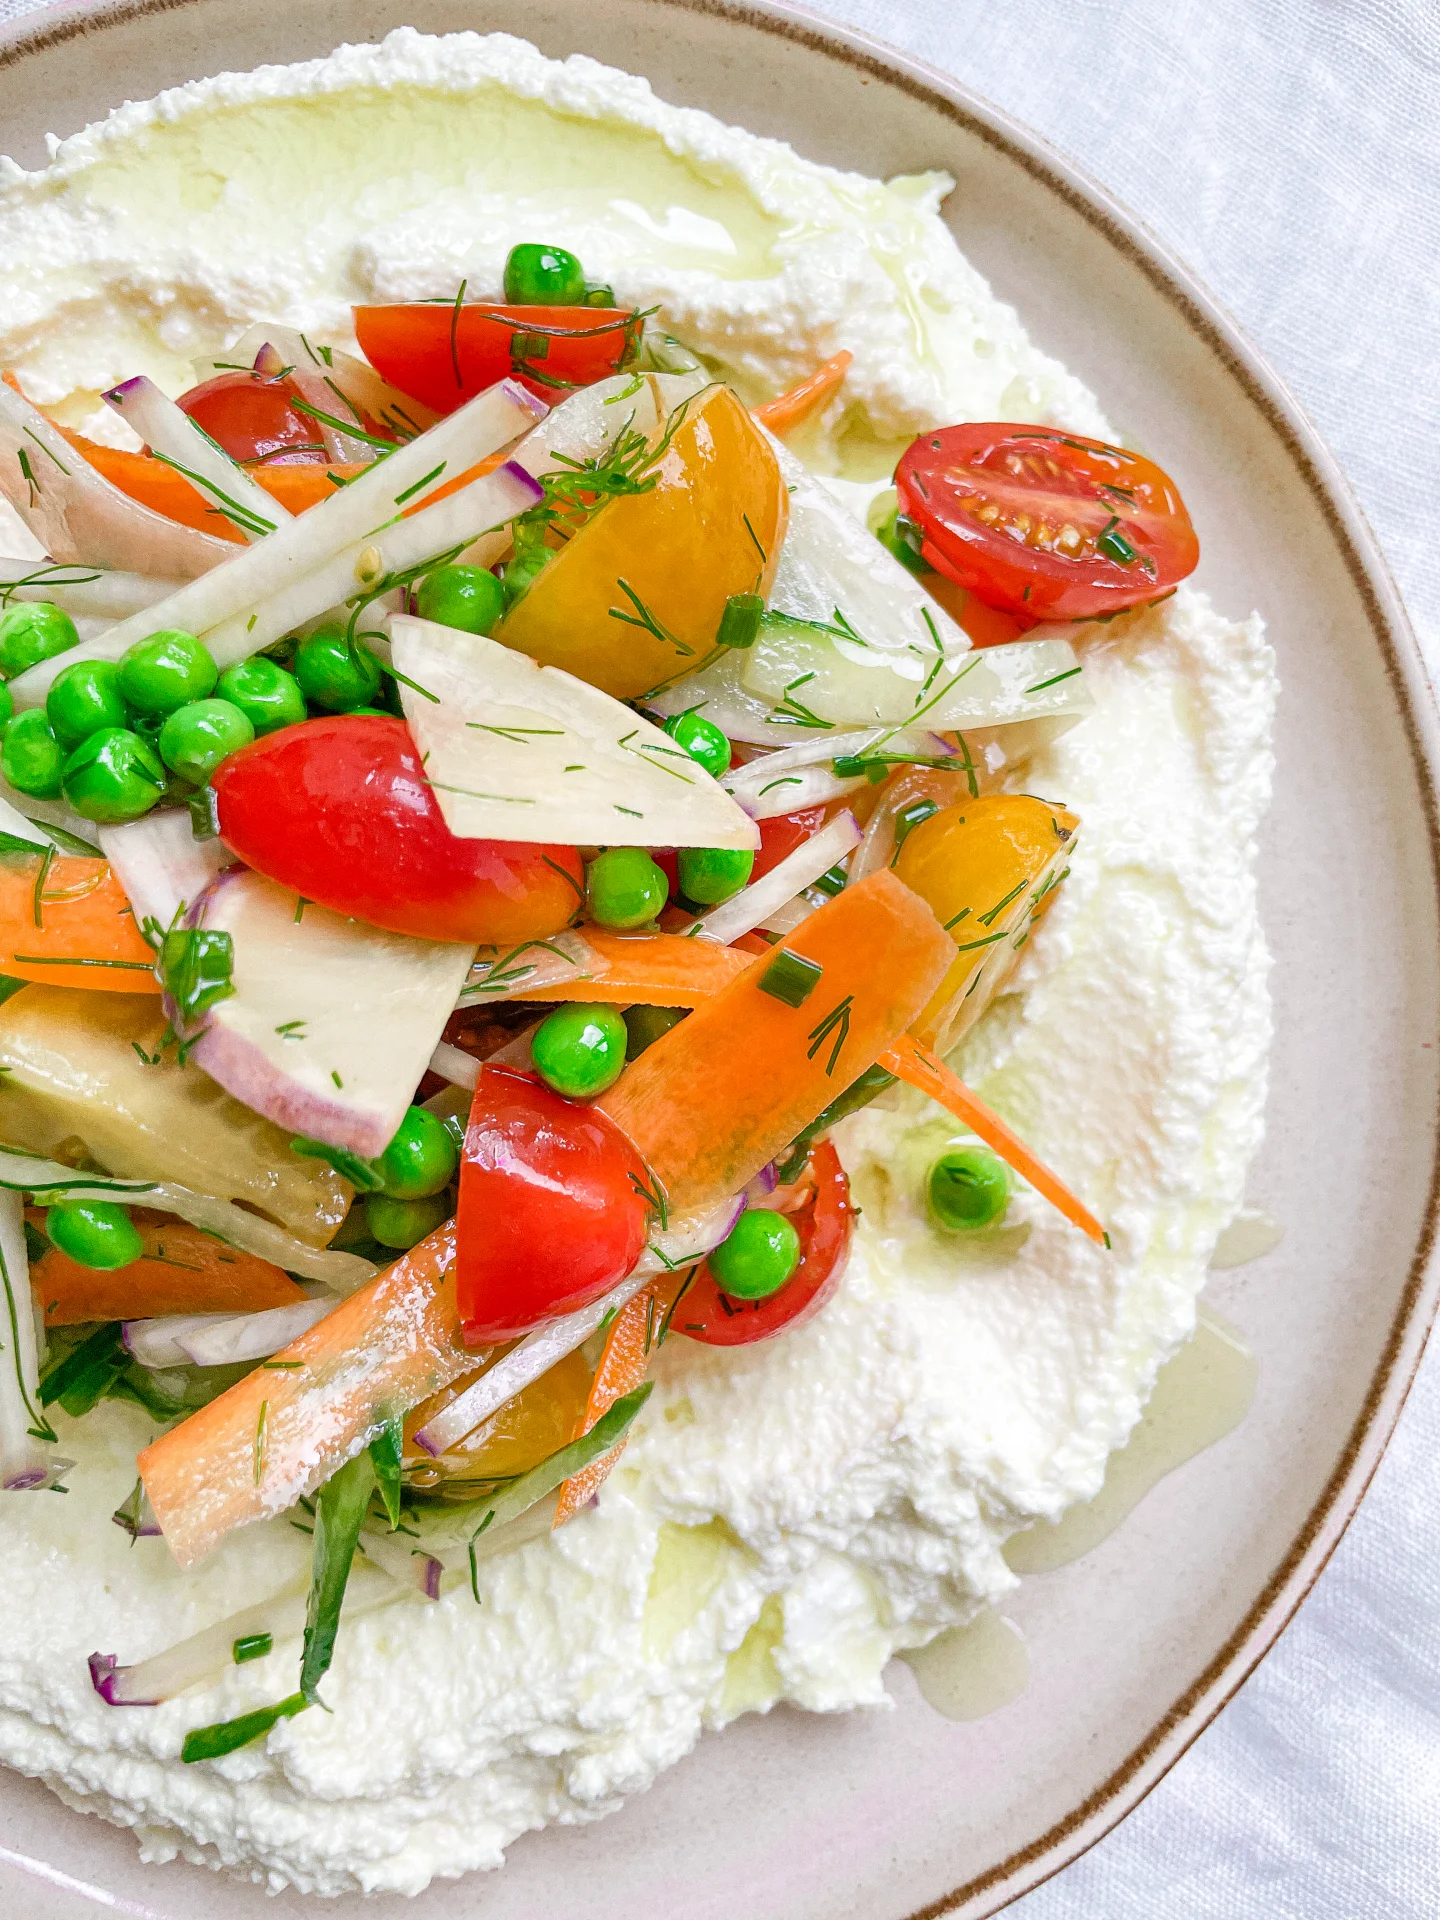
(1137, 1646)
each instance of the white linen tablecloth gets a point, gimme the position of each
(1289, 150)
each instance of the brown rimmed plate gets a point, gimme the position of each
(1136, 1647)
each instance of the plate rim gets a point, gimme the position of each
(1199, 1704)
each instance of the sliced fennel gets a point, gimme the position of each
(25, 1433)
(33, 1173)
(518, 751)
(819, 677)
(806, 776)
(84, 592)
(833, 569)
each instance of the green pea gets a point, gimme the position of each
(968, 1188)
(625, 888)
(579, 1049)
(709, 875)
(195, 739)
(95, 1233)
(33, 631)
(83, 699)
(645, 1025)
(113, 776)
(757, 1257)
(334, 673)
(470, 598)
(420, 1160)
(266, 694)
(702, 740)
(401, 1223)
(898, 534)
(31, 758)
(167, 671)
(543, 276)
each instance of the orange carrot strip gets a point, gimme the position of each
(153, 484)
(710, 1102)
(447, 487)
(182, 1270)
(787, 410)
(633, 1335)
(656, 969)
(920, 1068)
(305, 484)
(70, 925)
(284, 1429)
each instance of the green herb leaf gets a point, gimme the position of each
(339, 1513)
(363, 1175)
(196, 968)
(607, 1432)
(227, 1736)
(385, 1451)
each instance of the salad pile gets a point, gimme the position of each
(475, 817)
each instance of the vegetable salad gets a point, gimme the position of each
(476, 816)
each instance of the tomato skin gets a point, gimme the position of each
(339, 808)
(780, 836)
(252, 418)
(1023, 516)
(551, 1214)
(423, 348)
(824, 1223)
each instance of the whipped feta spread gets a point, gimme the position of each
(787, 1515)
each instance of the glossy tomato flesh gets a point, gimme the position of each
(255, 420)
(780, 836)
(824, 1222)
(444, 355)
(1045, 525)
(340, 809)
(552, 1212)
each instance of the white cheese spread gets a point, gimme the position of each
(790, 1514)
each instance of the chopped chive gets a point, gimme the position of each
(791, 977)
(740, 622)
(251, 1646)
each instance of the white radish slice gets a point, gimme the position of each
(331, 1022)
(804, 776)
(488, 503)
(753, 905)
(206, 1657)
(255, 574)
(22, 1172)
(25, 1433)
(77, 515)
(461, 1069)
(250, 1336)
(517, 751)
(170, 434)
(526, 1361)
(161, 865)
(833, 569)
(397, 1556)
(84, 592)
(156, 1343)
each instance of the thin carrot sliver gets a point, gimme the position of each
(67, 922)
(788, 410)
(656, 969)
(920, 1068)
(634, 1333)
(182, 1270)
(381, 1352)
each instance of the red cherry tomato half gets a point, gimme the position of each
(1043, 524)
(824, 1224)
(780, 836)
(552, 1212)
(446, 354)
(254, 419)
(340, 809)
